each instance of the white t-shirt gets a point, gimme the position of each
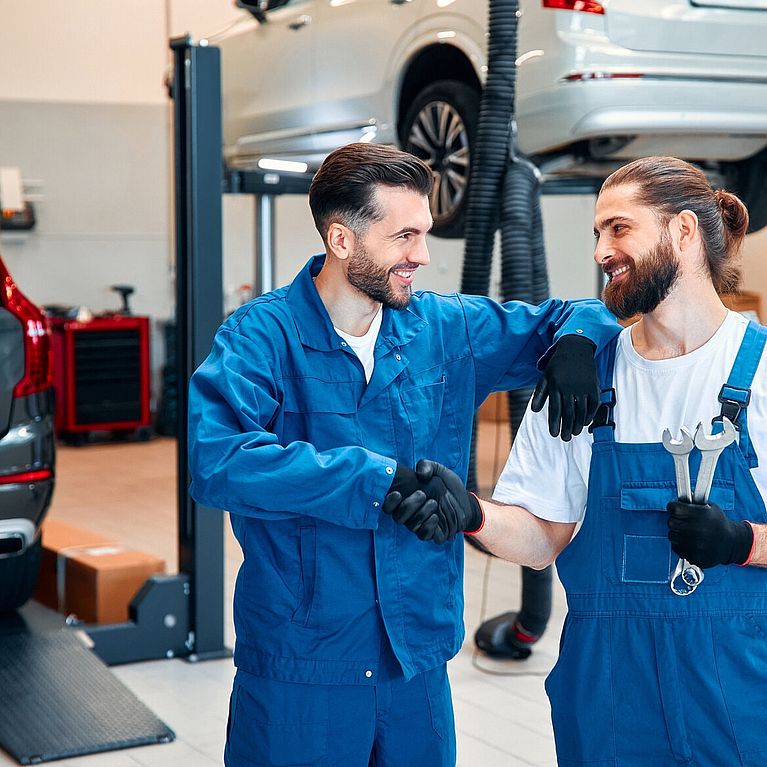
(549, 477)
(363, 346)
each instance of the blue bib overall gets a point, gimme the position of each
(646, 678)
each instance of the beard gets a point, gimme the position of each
(649, 281)
(374, 280)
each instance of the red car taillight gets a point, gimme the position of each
(26, 477)
(587, 6)
(38, 359)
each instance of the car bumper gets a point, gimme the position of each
(713, 119)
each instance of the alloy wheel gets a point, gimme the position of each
(439, 137)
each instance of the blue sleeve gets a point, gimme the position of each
(512, 342)
(587, 317)
(238, 465)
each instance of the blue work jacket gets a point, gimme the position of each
(286, 435)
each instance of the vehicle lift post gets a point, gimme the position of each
(183, 615)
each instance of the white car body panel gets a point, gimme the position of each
(683, 77)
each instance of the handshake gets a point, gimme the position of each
(432, 502)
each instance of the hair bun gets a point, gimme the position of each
(734, 212)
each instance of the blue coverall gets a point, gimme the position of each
(286, 435)
(647, 678)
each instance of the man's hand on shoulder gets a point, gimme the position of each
(571, 384)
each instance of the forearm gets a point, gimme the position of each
(759, 555)
(514, 534)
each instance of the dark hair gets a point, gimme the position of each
(669, 186)
(344, 188)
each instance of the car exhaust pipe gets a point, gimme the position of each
(15, 536)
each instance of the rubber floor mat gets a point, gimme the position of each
(58, 699)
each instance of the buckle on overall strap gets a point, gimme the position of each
(604, 412)
(734, 399)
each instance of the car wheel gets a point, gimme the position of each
(18, 576)
(440, 127)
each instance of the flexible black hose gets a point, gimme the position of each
(523, 271)
(524, 276)
(491, 149)
(537, 593)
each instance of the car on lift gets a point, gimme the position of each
(598, 84)
(27, 440)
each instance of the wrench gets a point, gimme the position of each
(680, 449)
(710, 447)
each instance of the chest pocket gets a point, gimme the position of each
(433, 430)
(321, 412)
(635, 545)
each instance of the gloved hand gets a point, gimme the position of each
(571, 383)
(420, 515)
(703, 535)
(440, 508)
(461, 509)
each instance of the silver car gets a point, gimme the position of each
(598, 84)
(27, 440)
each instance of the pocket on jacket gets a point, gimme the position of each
(308, 561)
(433, 426)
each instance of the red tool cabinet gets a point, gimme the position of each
(102, 375)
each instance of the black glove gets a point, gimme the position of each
(571, 383)
(703, 535)
(405, 481)
(417, 513)
(460, 508)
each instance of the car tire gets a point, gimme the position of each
(18, 577)
(440, 127)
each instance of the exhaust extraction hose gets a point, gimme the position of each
(498, 173)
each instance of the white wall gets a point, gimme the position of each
(85, 51)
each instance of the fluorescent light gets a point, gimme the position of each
(286, 166)
(446, 35)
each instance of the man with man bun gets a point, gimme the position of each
(649, 675)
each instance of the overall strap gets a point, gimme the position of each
(735, 395)
(603, 427)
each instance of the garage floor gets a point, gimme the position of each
(127, 492)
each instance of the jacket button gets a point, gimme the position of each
(375, 503)
(389, 470)
(398, 357)
(368, 674)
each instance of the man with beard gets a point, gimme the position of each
(315, 401)
(652, 672)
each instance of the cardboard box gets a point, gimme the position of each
(90, 576)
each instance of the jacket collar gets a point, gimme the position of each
(313, 322)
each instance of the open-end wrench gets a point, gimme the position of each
(686, 577)
(680, 449)
(710, 447)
